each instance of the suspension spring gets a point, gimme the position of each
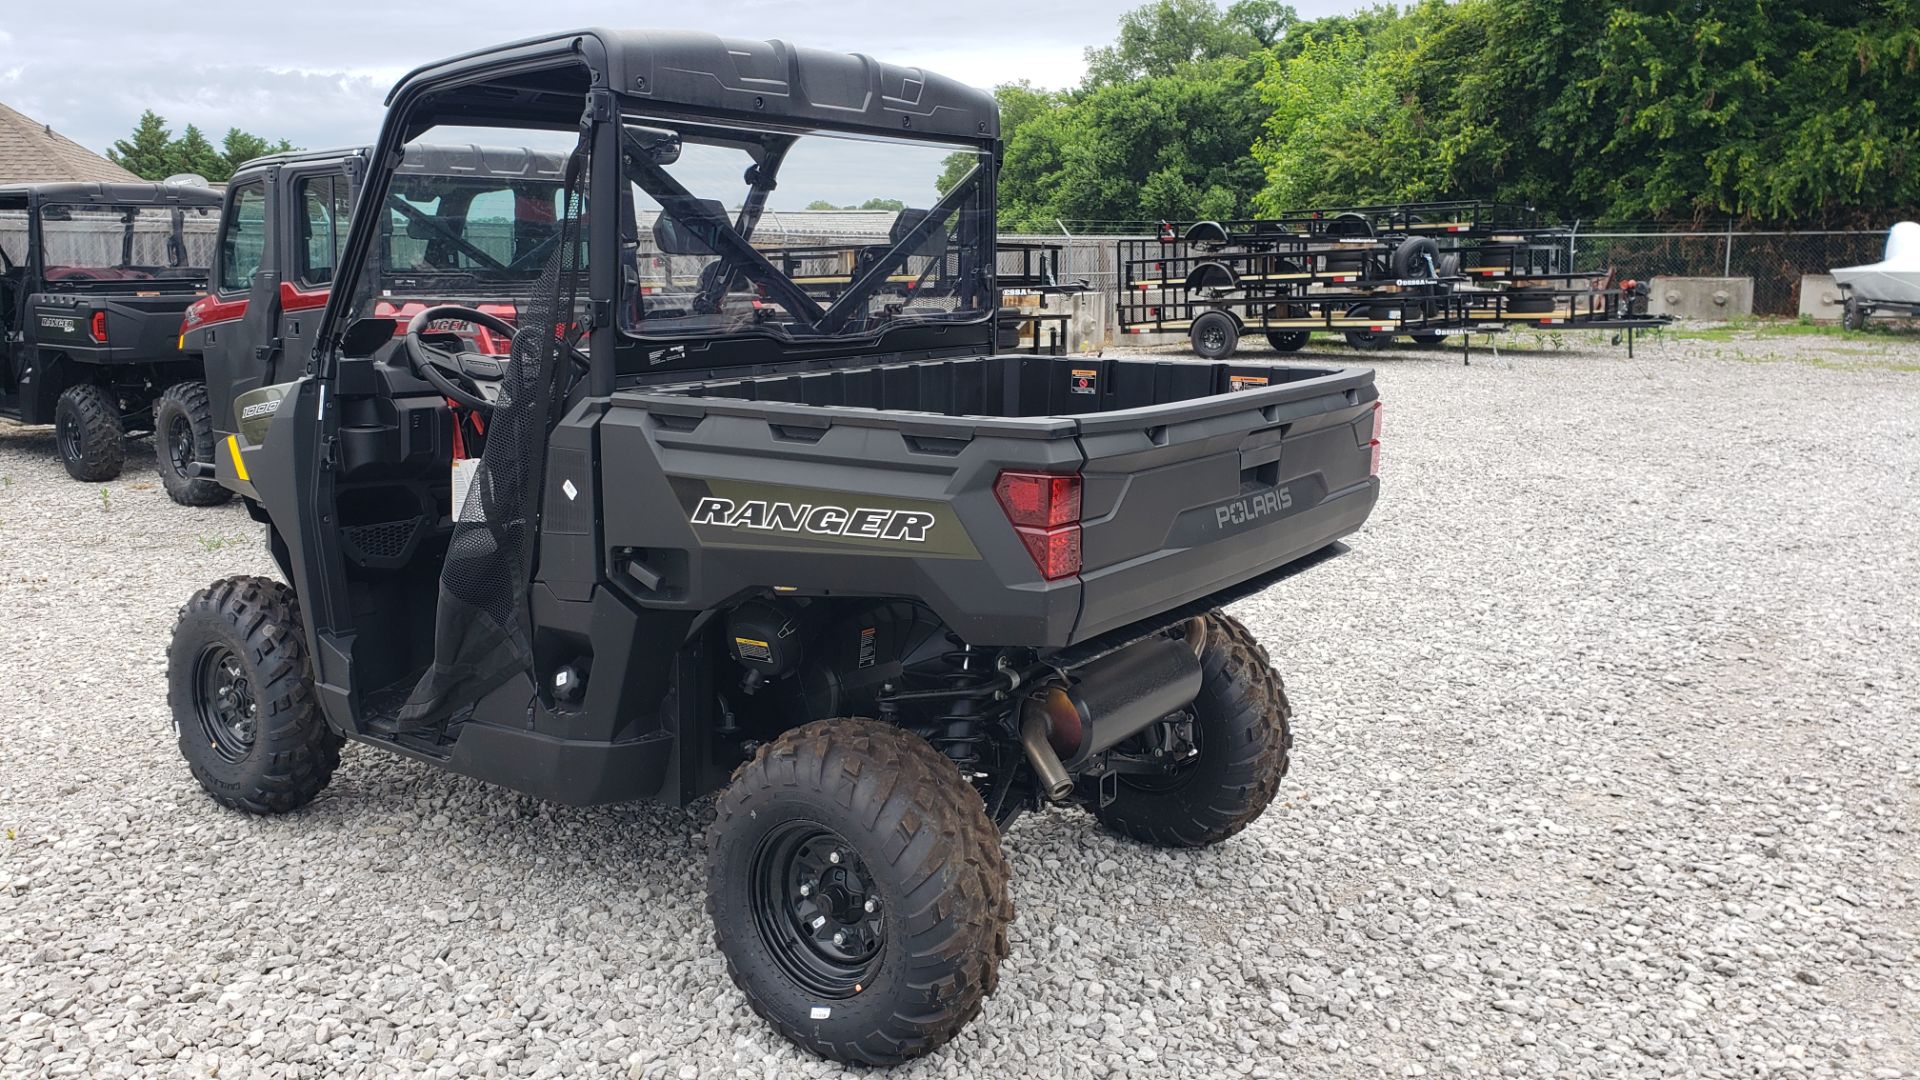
(970, 675)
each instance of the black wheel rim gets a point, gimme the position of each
(180, 448)
(817, 909)
(1213, 338)
(223, 697)
(67, 431)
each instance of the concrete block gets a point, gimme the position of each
(1708, 299)
(1820, 298)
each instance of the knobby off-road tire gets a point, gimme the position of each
(87, 430)
(242, 697)
(1242, 727)
(182, 435)
(855, 810)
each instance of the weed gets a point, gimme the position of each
(215, 543)
(106, 502)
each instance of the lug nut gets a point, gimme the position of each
(839, 937)
(806, 889)
(871, 906)
(833, 857)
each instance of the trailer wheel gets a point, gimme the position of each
(858, 891)
(1242, 736)
(1427, 338)
(1531, 301)
(1413, 258)
(183, 436)
(1288, 340)
(86, 426)
(1215, 335)
(241, 693)
(1852, 315)
(1365, 339)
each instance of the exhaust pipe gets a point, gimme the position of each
(1054, 781)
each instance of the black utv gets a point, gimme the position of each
(93, 281)
(752, 507)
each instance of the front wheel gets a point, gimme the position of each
(1852, 315)
(858, 891)
(1242, 738)
(87, 428)
(182, 439)
(242, 698)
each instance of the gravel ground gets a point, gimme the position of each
(1607, 766)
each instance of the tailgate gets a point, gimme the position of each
(1185, 499)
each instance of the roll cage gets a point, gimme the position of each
(590, 81)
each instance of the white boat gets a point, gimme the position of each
(1894, 280)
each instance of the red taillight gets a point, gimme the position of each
(1379, 422)
(1045, 510)
(1055, 551)
(1041, 499)
(98, 327)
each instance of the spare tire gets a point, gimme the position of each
(1449, 265)
(1416, 258)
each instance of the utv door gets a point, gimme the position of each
(313, 212)
(243, 336)
(14, 286)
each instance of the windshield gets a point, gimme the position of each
(127, 243)
(799, 235)
(484, 229)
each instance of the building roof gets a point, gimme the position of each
(32, 152)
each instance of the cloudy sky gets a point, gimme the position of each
(318, 77)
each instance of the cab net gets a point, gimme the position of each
(483, 628)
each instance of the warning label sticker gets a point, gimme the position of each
(1084, 381)
(869, 646)
(1237, 383)
(750, 649)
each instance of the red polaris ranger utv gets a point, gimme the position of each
(751, 507)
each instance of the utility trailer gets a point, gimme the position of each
(1427, 271)
(93, 280)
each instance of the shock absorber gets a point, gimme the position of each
(959, 732)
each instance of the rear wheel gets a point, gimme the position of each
(242, 698)
(1287, 340)
(87, 428)
(858, 891)
(1215, 335)
(1242, 739)
(182, 438)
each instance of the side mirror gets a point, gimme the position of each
(366, 335)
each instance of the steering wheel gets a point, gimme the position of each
(468, 379)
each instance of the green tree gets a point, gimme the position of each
(821, 204)
(894, 205)
(148, 152)
(1162, 37)
(152, 152)
(240, 147)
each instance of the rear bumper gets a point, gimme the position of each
(1116, 595)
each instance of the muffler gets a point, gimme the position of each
(1102, 704)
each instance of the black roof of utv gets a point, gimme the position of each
(120, 194)
(690, 71)
(434, 159)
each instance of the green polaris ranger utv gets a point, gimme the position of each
(752, 508)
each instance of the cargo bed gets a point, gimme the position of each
(1196, 476)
